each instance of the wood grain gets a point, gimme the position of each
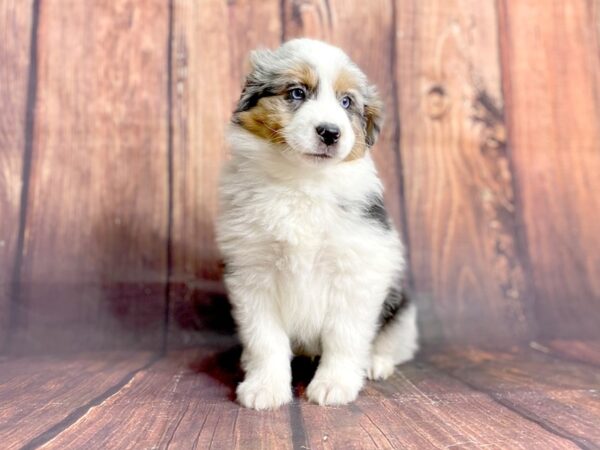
(180, 402)
(39, 393)
(211, 41)
(97, 209)
(587, 352)
(342, 23)
(15, 32)
(561, 396)
(459, 189)
(552, 82)
(421, 408)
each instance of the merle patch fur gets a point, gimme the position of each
(395, 302)
(375, 210)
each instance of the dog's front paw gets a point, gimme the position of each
(333, 390)
(382, 367)
(257, 393)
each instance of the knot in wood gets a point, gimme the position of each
(436, 102)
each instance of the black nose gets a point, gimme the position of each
(328, 133)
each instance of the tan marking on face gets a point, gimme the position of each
(345, 82)
(373, 114)
(304, 74)
(360, 146)
(267, 119)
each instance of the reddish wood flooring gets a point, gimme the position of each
(545, 396)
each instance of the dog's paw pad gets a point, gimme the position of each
(257, 395)
(331, 392)
(382, 367)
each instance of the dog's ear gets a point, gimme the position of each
(373, 115)
(257, 81)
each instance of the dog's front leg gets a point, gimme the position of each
(346, 342)
(266, 355)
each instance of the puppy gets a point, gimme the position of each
(313, 264)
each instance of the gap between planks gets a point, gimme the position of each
(79, 413)
(529, 416)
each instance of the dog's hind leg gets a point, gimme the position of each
(396, 342)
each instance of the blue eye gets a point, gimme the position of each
(346, 102)
(297, 94)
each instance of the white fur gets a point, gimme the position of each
(306, 273)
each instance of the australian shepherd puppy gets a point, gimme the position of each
(313, 265)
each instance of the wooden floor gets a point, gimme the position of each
(544, 395)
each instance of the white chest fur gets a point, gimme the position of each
(309, 243)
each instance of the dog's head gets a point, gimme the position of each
(311, 101)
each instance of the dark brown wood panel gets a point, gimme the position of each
(460, 203)
(97, 211)
(552, 85)
(346, 24)
(15, 32)
(39, 393)
(421, 408)
(210, 45)
(183, 401)
(560, 395)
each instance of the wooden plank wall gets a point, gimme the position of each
(94, 256)
(15, 117)
(552, 82)
(210, 45)
(111, 140)
(460, 199)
